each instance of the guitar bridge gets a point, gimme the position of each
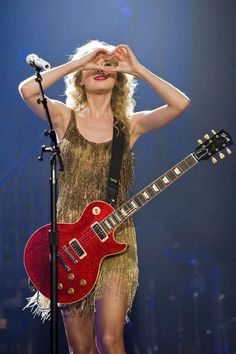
(69, 254)
(63, 263)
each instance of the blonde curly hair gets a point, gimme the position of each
(122, 101)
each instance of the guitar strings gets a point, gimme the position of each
(85, 236)
(129, 211)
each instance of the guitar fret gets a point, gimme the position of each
(160, 184)
(155, 188)
(144, 196)
(165, 179)
(128, 206)
(124, 213)
(177, 171)
(183, 166)
(116, 217)
(141, 198)
(171, 176)
(110, 219)
(134, 205)
(150, 191)
(190, 161)
(120, 215)
(137, 201)
(103, 225)
(107, 224)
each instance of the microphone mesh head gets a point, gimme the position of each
(30, 58)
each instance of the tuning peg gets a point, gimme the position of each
(200, 141)
(206, 136)
(222, 156)
(228, 151)
(213, 159)
(213, 131)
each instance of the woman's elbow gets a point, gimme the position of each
(21, 89)
(24, 90)
(184, 104)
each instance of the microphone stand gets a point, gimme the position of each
(53, 233)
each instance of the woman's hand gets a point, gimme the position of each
(127, 62)
(122, 59)
(94, 60)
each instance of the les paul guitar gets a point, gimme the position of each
(84, 244)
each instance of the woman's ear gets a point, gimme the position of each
(79, 80)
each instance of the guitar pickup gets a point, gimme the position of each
(78, 249)
(99, 232)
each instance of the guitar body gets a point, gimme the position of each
(80, 254)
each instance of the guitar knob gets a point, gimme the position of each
(206, 136)
(59, 286)
(200, 141)
(222, 156)
(213, 131)
(71, 276)
(96, 210)
(83, 282)
(228, 151)
(70, 291)
(213, 159)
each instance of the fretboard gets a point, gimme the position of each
(147, 194)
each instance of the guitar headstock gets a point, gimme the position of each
(213, 145)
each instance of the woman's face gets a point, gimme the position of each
(98, 81)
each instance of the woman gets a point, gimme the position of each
(99, 89)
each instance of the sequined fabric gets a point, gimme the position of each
(86, 170)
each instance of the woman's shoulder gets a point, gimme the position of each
(134, 128)
(63, 118)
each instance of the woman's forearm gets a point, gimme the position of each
(172, 96)
(30, 87)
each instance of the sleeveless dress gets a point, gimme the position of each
(84, 179)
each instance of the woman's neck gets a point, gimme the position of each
(98, 107)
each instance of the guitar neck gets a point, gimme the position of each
(147, 194)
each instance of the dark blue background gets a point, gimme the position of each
(186, 237)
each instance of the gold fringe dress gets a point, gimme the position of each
(84, 179)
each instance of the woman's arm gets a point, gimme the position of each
(175, 101)
(30, 91)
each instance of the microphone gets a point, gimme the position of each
(36, 62)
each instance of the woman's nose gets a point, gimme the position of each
(101, 72)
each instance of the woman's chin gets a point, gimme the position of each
(100, 90)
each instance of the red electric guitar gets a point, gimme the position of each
(84, 244)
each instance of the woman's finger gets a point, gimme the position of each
(99, 52)
(94, 67)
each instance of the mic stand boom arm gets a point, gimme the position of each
(53, 233)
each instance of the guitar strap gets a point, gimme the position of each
(116, 160)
